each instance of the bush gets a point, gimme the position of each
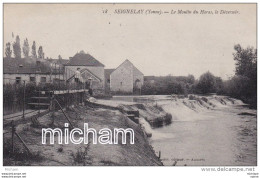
(80, 156)
(169, 85)
(19, 154)
(168, 119)
(206, 83)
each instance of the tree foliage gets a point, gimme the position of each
(40, 52)
(246, 61)
(34, 54)
(207, 83)
(17, 48)
(8, 51)
(169, 85)
(26, 48)
(244, 84)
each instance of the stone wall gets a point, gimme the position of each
(137, 75)
(121, 80)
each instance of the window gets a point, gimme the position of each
(32, 79)
(43, 79)
(121, 83)
(108, 80)
(18, 80)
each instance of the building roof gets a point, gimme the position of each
(108, 72)
(58, 61)
(129, 62)
(25, 66)
(83, 59)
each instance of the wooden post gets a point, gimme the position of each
(23, 98)
(13, 130)
(39, 101)
(66, 84)
(23, 143)
(64, 113)
(59, 77)
(55, 74)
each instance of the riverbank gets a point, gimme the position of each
(138, 154)
(208, 130)
(147, 109)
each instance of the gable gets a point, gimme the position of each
(86, 75)
(128, 64)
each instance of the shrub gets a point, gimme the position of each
(80, 156)
(168, 118)
(20, 154)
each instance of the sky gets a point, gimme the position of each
(166, 44)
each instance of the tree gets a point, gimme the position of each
(34, 50)
(219, 85)
(207, 83)
(246, 62)
(246, 75)
(191, 79)
(8, 51)
(26, 48)
(17, 48)
(40, 53)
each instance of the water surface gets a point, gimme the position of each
(218, 137)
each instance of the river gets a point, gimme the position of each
(209, 131)
(225, 135)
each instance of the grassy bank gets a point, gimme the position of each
(138, 154)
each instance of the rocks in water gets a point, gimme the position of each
(246, 114)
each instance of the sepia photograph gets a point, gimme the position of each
(147, 84)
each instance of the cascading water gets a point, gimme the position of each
(215, 130)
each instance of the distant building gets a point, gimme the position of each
(29, 70)
(57, 63)
(92, 71)
(126, 78)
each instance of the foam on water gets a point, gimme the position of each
(207, 131)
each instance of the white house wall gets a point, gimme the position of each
(11, 78)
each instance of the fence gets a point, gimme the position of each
(17, 95)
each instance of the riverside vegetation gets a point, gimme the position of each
(243, 85)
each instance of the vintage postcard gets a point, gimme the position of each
(130, 85)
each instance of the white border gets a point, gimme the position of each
(133, 172)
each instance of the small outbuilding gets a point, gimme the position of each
(126, 78)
